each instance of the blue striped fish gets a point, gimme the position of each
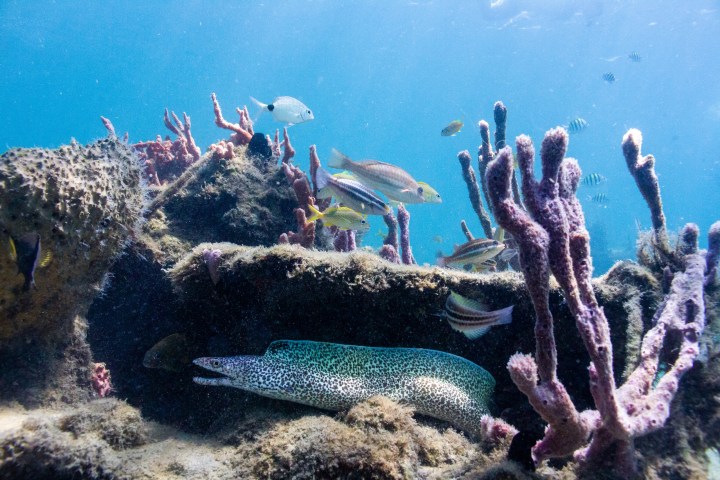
(593, 179)
(350, 193)
(599, 198)
(634, 57)
(577, 125)
(471, 317)
(608, 77)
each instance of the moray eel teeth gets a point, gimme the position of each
(336, 377)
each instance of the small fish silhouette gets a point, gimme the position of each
(608, 77)
(634, 57)
(593, 180)
(577, 125)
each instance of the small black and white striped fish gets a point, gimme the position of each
(599, 198)
(577, 125)
(472, 318)
(593, 179)
(609, 77)
(350, 193)
(634, 57)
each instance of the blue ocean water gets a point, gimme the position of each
(383, 78)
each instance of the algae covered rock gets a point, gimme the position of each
(245, 199)
(82, 203)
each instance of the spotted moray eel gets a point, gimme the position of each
(336, 377)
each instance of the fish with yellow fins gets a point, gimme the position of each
(350, 193)
(452, 129)
(391, 180)
(473, 318)
(26, 252)
(429, 193)
(473, 252)
(343, 218)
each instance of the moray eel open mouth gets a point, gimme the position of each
(213, 366)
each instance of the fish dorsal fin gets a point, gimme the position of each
(456, 247)
(278, 347)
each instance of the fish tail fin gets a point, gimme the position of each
(339, 160)
(13, 250)
(322, 177)
(262, 106)
(316, 214)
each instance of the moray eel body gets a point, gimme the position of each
(336, 377)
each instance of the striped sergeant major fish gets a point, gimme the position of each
(634, 57)
(599, 198)
(350, 193)
(473, 318)
(577, 125)
(593, 179)
(608, 77)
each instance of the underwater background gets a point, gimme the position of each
(383, 78)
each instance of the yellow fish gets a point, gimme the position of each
(343, 218)
(452, 129)
(429, 193)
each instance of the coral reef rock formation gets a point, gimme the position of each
(107, 439)
(82, 203)
(244, 199)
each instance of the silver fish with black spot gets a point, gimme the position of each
(288, 110)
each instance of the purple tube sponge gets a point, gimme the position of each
(552, 237)
(404, 223)
(643, 171)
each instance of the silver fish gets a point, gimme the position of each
(350, 193)
(471, 317)
(472, 252)
(391, 180)
(286, 110)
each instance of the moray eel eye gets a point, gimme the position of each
(215, 363)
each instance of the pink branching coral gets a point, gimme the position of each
(305, 235)
(242, 131)
(166, 159)
(552, 237)
(100, 380)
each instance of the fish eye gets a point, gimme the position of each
(363, 222)
(215, 363)
(309, 112)
(420, 190)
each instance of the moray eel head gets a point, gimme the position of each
(231, 367)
